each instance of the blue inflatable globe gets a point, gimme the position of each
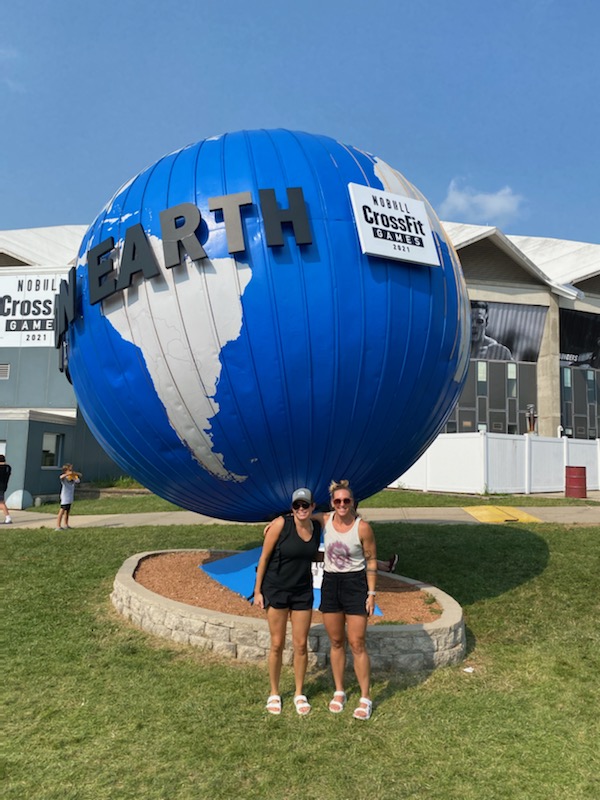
(265, 310)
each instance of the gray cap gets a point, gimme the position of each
(302, 494)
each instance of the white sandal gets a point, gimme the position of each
(364, 709)
(273, 704)
(302, 705)
(337, 706)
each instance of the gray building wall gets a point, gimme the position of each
(37, 399)
(35, 380)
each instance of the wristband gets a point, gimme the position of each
(372, 593)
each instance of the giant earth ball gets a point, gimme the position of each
(264, 310)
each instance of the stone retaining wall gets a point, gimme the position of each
(408, 648)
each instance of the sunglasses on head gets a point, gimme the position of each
(342, 501)
(300, 504)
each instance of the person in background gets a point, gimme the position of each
(5, 471)
(68, 480)
(284, 588)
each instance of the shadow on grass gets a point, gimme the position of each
(470, 563)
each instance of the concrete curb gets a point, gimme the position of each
(405, 648)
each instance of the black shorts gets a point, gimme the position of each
(296, 599)
(66, 506)
(344, 591)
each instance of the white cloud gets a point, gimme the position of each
(465, 204)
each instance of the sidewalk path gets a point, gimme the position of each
(582, 515)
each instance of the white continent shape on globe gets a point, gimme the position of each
(183, 360)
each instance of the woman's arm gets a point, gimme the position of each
(367, 539)
(273, 521)
(271, 536)
(320, 516)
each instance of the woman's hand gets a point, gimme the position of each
(259, 600)
(370, 604)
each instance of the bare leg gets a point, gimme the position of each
(335, 627)
(357, 628)
(389, 565)
(277, 619)
(300, 627)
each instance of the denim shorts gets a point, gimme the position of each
(345, 592)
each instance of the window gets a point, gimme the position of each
(481, 378)
(52, 449)
(511, 379)
(567, 384)
(591, 385)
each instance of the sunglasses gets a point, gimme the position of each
(300, 504)
(342, 501)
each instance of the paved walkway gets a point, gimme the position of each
(469, 515)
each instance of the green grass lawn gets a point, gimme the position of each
(389, 498)
(97, 710)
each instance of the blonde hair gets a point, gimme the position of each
(334, 486)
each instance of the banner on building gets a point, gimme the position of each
(506, 331)
(27, 309)
(579, 339)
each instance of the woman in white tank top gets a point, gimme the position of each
(348, 593)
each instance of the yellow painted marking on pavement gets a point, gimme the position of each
(519, 516)
(494, 514)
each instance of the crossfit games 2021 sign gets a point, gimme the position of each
(392, 226)
(27, 309)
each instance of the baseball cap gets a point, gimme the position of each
(302, 494)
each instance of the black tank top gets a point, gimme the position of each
(290, 563)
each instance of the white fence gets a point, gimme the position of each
(475, 463)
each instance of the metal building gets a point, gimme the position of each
(543, 312)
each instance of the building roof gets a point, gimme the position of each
(57, 245)
(564, 261)
(531, 260)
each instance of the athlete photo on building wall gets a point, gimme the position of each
(506, 331)
(579, 339)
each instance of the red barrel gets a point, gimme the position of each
(575, 482)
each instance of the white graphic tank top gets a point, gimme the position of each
(343, 551)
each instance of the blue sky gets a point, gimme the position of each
(491, 109)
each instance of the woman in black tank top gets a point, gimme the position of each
(284, 588)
